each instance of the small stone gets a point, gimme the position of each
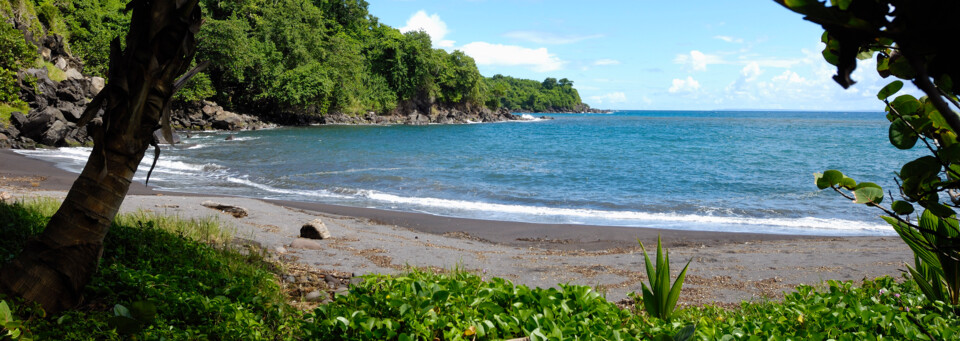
(306, 244)
(72, 73)
(290, 279)
(280, 249)
(6, 197)
(313, 296)
(61, 63)
(315, 229)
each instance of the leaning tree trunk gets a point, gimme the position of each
(53, 269)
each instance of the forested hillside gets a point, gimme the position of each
(313, 57)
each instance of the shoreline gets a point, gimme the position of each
(726, 267)
(523, 234)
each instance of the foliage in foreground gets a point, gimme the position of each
(199, 291)
(205, 292)
(898, 33)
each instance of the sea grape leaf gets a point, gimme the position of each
(902, 207)
(832, 176)
(820, 181)
(906, 105)
(901, 135)
(866, 195)
(848, 183)
(890, 89)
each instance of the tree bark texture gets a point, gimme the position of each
(54, 269)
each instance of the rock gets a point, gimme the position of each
(45, 53)
(57, 131)
(332, 282)
(313, 296)
(305, 244)
(96, 85)
(315, 229)
(236, 211)
(70, 111)
(18, 119)
(60, 63)
(229, 138)
(226, 120)
(73, 74)
(6, 197)
(280, 249)
(40, 122)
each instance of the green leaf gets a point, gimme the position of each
(833, 176)
(843, 4)
(866, 185)
(143, 311)
(906, 105)
(848, 183)
(890, 89)
(901, 135)
(686, 333)
(902, 207)
(868, 195)
(119, 310)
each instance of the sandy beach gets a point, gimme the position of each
(725, 268)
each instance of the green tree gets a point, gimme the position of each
(54, 269)
(906, 38)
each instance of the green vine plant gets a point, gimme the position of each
(903, 37)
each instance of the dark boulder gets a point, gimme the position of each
(57, 131)
(18, 119)
(40, 121)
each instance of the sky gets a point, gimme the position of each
(644, 54)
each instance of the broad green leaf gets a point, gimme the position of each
(832, 176)
(848, 183)
(901, 135)
(890, 89)
(843, 4)
(900, 67)
(945, 82)
(820, 181)
(906, 105)
(868, 184)
(119, 310)
(868, 195)
(902, 207)
(143, 311)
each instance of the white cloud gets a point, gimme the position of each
(549, 38)
(698, 60)
(729, 39)
(790, 77)
(684, 85)
(751, 71)
(613, 97)
(603, 62)
(539, 60)
(432, 25)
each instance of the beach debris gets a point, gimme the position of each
(315, 229)
(280, 249)
(5, 197)
(307, 244)
(236, 211)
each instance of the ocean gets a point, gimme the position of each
(738, 171)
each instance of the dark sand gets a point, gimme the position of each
(726, 267)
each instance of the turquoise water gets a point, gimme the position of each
(723, 171)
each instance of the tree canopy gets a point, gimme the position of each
(309, 56)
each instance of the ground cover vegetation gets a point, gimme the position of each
(302, 56)
(171, 278)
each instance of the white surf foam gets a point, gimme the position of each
(633, 218)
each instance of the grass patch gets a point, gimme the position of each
(200, 291)
(6, 110)
(204, 290)
(54, 73)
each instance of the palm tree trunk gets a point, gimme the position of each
(54, 269)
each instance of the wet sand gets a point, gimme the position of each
(725, 267)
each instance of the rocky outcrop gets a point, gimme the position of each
(206, 115)
(413, 114)
(55, 108)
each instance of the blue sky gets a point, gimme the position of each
(643, 54)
